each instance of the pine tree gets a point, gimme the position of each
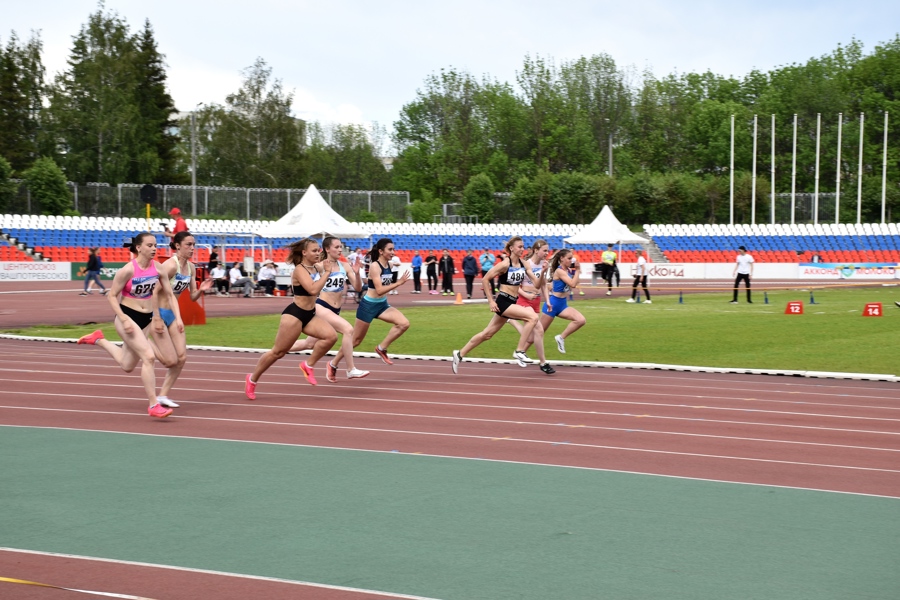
(21, 88)
(157, 162)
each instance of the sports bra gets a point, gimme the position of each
(179, 281)
(387, 276)
(299, 290)
(336, 281)
(514, 275)
(142, 282)
(560, 286)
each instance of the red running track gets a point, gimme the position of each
(835, 435)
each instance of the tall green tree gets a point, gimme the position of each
(47, 184)
(21, 96)
(253, 140)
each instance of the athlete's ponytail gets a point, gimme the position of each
(560, 254)
(378, 248)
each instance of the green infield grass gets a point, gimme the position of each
(704, 330)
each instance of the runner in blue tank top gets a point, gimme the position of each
(179, 270)
(510, 273)
(556, 305)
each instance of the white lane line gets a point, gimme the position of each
(554, 426)
(219, 573)
(478, 459)
(478, 437)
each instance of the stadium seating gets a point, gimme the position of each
(68, 239)
(779, 243)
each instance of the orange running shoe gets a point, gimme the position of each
(249, 388)
(159, 411)
(308, 373)
(384, 355)
(91, 338)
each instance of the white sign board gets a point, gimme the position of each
(35, 271)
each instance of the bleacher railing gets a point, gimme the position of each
(123, 200)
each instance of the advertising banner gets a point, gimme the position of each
(108, 271)
(35, 271)
(861, 271)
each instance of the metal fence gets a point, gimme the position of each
(124, 200)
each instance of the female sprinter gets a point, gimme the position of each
(139, 284)
(328, 307)
(530, 296)
(179, 270)
(299, 316)
(556, 305)
(374, 305)
(512, 273)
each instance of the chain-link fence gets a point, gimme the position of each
(124, 200)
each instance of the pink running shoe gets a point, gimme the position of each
(330, 372)
(159, 411)
(308, 373)
(249, 388)
(91, 338)
(384, 355)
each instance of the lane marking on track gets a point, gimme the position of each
(259, 405)
(219, 573)
(588, 364)
(474, 437)
(487, 370)
(58, 587)
(393, 388)
(472, 458)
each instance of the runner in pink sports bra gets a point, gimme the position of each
(141, 284)
(135, 312)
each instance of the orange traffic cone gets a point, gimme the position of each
(458, 298)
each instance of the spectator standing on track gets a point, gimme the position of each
(487, 263)
(640, 277)
(470, 270)
(220, 276)
(180, 224)
(510, 273)
(417, 273)
(431, 262)
(92, 273)
(608, 266)
(172, 342)
(299, 317)
(447, 269)
(139, 285)
(743, 268)
(238, 279)
(266, 277)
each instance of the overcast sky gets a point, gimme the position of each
(361, 61)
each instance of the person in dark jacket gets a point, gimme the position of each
(470, 270)
(447, 269)
(92, 273)
(431, 262)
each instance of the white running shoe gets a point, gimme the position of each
(457, 358)
(522, 358)
(608, 293)
(647, 302)
(356, 374)
(560, 344)
(630, 301)
(165, 401)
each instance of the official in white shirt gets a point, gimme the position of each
(640, 277)
(743, 268)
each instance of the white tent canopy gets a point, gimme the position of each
(312, 216)
(605, 229)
